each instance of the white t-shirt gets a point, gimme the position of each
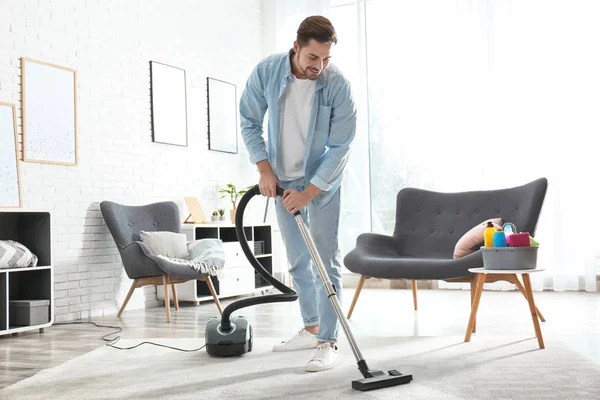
(294, 128)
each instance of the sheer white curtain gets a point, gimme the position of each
(486, 94)
(546, 74)
(281, 19)
(466, 95)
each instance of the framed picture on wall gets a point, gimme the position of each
(222, 116)
(10, 176)
(168, 104)
(49, 101)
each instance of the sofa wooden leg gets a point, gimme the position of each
(167, 300)
(131, 289)
(414, 291)
(359, 287)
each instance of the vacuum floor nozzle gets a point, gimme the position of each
(381, 380)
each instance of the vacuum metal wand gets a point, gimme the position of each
(373, 378)
(328, 286)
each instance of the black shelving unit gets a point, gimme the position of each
(33, 230)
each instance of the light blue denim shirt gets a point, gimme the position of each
(332, 124)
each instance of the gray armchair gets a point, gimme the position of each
(428, 226)
(124, 223)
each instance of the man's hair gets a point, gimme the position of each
(318, 28)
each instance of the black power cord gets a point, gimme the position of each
(116, 339)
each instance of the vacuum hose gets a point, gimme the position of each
(287, 293)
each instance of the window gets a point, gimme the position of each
(355, 213)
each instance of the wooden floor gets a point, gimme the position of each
(573, 317)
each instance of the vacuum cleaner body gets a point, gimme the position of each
(234, 342)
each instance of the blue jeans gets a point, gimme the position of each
(323, 224)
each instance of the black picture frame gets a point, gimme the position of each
(221, 104)
(168, 104)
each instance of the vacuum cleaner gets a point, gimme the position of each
(229, 336)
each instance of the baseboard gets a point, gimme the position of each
(351, 281)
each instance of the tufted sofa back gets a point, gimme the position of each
(428, 224)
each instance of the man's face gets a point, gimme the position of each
(313, 58)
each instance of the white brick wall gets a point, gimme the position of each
(110, 43)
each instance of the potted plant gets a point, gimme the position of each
(221, 214)
(231, 191)
(214, 216)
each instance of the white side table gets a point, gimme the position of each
(488, 276)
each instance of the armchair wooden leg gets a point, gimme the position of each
(211, 287)
(175, 299)
(167, 300)
(131, 289)
(414, 290)
(359, 287)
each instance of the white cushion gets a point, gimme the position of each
(164, 243)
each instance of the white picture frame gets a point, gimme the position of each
(10, 172)
(49, 113)
(168, 100)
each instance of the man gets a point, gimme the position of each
(311, 124)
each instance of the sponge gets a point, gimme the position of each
(519, 239)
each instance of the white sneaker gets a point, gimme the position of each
(301, 340)
(326, 357)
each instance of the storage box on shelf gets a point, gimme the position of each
(29, 312)
(239, 277)
(27, 294)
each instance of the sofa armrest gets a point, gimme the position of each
(139, 261)
(384, 243)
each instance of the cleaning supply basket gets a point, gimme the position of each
(509, 258)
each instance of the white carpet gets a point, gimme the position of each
(490, 367)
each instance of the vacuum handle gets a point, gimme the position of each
(279, 192)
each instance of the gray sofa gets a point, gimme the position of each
(428, 226)
(125, 223)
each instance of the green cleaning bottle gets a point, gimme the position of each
(488, 235)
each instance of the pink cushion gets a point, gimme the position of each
(473, 237)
